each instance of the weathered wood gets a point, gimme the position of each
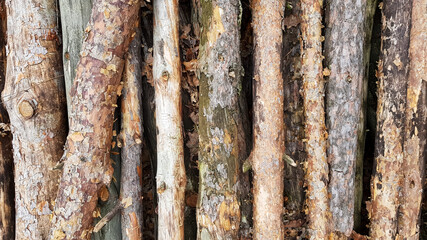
(7, 205)
(316, 165)
(35, 100)
(87, 164)
(131, 138)
(221, 135)
(171, 178)
(344, 55)
(392, 73)
(268, 125)
(415, 126)
(74, 18)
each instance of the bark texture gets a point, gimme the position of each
(131, 138)
(35, 100)
(74, 18)
(392, 73)
(221, 137)
(87, 165)
(7, 207)
(268, 126)
(415, 126)
(344, 53)
(171, 178)
(316, 165)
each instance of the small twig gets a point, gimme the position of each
(108, 217)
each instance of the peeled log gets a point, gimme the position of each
(344, 54)
(316, 166)
(221, 137)
(171, 178)
(268, 125)
(392, 72)
(35, 100)
(87, 165)
(415, 126)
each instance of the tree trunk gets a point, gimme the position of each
(7, 207)
(87, 164)
(268, 123)
(221, 137)
(344, 52)
(35, 99)
(415, 126)
(171, 179)
(316, 165)
(392, 73)
(131, 136)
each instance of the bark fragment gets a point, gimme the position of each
(268, 126)
(35, 100)
(344, 53)
(171, 178)
(221, 137)
(316, 165)
(415, 126)
(392, 72)
(87, 164)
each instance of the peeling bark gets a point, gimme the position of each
(87, 165)
(7, 205)
(268, 126)
(316, 165)
(415, 126)
(392, 73)
(221, 137)
(171, 178)
(35, 100)
(131, 137)
(344, 53)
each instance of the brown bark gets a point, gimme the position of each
(221, 137)
(131, 137)
(268, 125)
(415, 126)
(171, 178)
(316, 165)
(87, 164)
(344, 54)
(392, 72)
(35, 100)
(7, 207)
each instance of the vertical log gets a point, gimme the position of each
(220, 123)
(7, 207)
(87, 164)
(171, 177)
(315, 131)
(415, 126)
(344, 53)
(392, 74)
(35, 100)
(131, 137)
(268, 123)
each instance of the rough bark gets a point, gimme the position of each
(7, 205)
(131, 138)
(268, 125)
(171, 178)
(74, 18)
(221, 136)
(370, 7)
(344, 54)
(294, 110)
(87, 165)
(316, 165)
(392, 74)
(415, 126)
(35, 100)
